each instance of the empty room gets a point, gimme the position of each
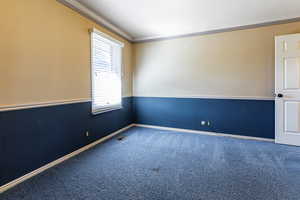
(149, 100)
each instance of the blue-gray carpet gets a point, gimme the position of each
(164, 165)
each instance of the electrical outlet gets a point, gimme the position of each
(203, 123)
(87, 134)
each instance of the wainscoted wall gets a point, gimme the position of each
(242, 117)
(34, 137)
(45, 58)
(235, 64)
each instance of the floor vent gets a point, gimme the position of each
(120, 138)
(155, 169)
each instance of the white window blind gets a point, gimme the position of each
(106, 73)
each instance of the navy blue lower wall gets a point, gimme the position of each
(31, 138)
(243, 117)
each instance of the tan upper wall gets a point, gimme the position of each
(238, 63)
(45, 53)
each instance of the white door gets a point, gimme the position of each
(287, 89)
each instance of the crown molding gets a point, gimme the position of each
(235, 28)
(75, 5)
(83, 10)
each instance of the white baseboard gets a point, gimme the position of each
(66, 157)
(205, 132)
(60, 160)
(210, 97)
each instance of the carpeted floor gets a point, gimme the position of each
(164, 165)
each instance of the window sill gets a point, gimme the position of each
(104, 110)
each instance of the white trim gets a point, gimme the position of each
(278, 37)
(73, 4)
(83, 100)
(94, 16)
(107, 38)
(211, 97)
(125, 96)
(46, 104)
(205, 132)
(117, 46)
(108, 109)
(58, 161)
(42, 104)
(66, 157)
(215, 31)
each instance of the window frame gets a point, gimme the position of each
(112, 41)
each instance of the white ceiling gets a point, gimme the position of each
(148, 19)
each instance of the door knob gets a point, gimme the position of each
(280, 95)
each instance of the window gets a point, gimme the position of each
(106, 72)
